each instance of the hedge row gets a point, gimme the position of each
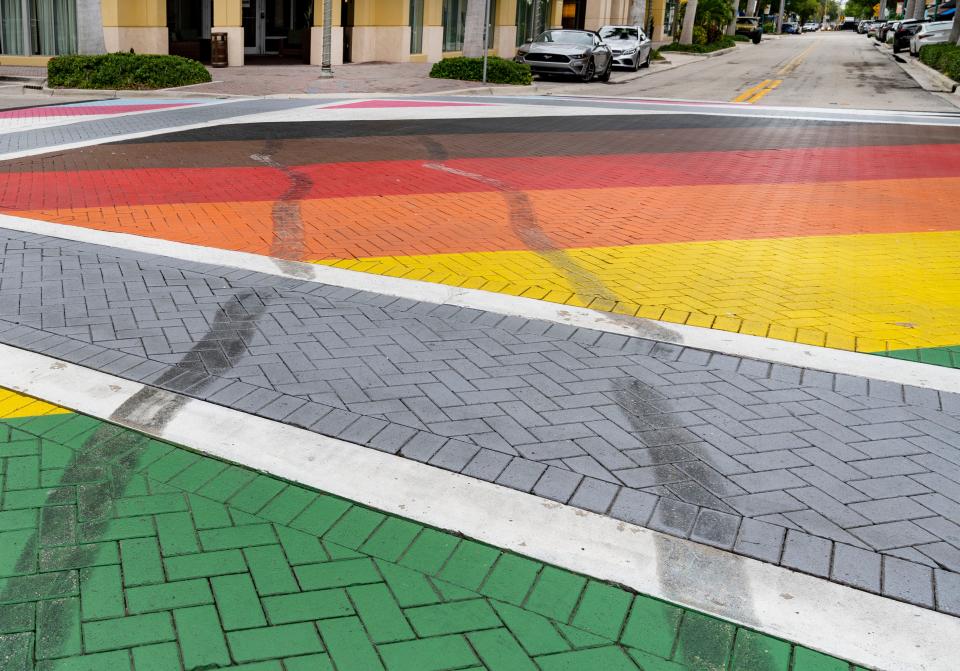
(124, 71)
(724, 42)
(499, 70)
(942, 57)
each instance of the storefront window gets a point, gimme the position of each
(416, 26)
(454, 18)
(531, 19)
(38, 27)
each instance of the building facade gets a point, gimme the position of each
(290, 30)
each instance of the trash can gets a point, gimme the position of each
(218, 50)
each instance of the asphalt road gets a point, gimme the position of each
(832, 69)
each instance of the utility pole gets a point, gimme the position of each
(780, 16)
(326, 62)
(486, 37)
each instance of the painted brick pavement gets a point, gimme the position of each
(122, 552)
(836, 476)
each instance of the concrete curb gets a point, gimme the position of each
(928, 78)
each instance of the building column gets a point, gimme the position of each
(732, 26)
(228, 18)
(433, 30)
(381, 31)
(658, 12)
(505, 30)
(751, 7)
(689, 16)
(316, 34)
(90, 27)
(555, 20)
(140, 25)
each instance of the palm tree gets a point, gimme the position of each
(90, 27)
(473, 28)
(955, 29)
(638, 12)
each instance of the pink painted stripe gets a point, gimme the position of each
(87, 110)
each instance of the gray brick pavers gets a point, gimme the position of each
(836, 476)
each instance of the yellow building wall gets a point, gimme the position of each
(380, 13)
(228, 13)
(134, 13)
(318, 12)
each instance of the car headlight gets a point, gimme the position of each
(630, 52)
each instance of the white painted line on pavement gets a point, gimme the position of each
(863, 628)
(736, 344)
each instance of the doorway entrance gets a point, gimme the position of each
(276, 27)
(574, 14)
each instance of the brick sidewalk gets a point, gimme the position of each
(122, 552)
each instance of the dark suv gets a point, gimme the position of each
(750, 26)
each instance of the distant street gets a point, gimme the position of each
(838, 69)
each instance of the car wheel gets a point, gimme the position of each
(646, 63)
(756, 40)
(896, 47)
(589, 72)
(605, 77)
(636, 63)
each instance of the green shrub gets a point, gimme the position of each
(655, 55)
(723, 43)
(499, 70)
(769, 27)
(124, 71)
(741, 38)
(699, 35)
(943, 57)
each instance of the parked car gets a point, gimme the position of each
(892, 31)
(848, 24)
(792, 28)
(934, 32)
(862, 27)
(580, 53)
(881, 34)
(901, 38)
(628, 45)
(750, 26)
(873, 27)
(811, 27)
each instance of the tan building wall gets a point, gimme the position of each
(140, 25)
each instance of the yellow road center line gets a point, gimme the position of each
(750, 91)
(795, 62)
(760, 94)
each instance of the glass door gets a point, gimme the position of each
(252, 18)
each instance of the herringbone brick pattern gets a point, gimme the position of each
(122, 552)
(840, 477)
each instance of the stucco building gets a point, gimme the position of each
(290, 30)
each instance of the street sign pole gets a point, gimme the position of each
(486, 38)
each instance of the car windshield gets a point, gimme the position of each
(619, 33)
(566, 37)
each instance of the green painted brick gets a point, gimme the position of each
(168, 596)
(115, 530)
(16, 618)
(320, 515)
(579, 638)
(237, 601)
(256, 494)
(38, 498)
(51, 477)
(805, 659)
(288, 640)
(205, 564)
(269, 665)
(58, 628)
(16, 652)
(22, 473)
(535, 633)
(149, 505)
(159, 657)
(650, 662)
(201, 638)
(602, 610)
(348, 645)
(469, 564)
(117, 660)
(79, 556)
(307, 606)
(429, 551)
(241, 518)
(38, 587)
(408, 586)
(237, 537)
(320, 662)
(511, 578)
(753, 651)
(176, 533)
(450, 592)
(652, 626)
(610, 658)
(337, 552)
(499, 651)
(270, 571)
(704, 642)
(452, 618)
(207, 513)
(101, 592)
(354, 527)
(198, 474)
(429, 654)
(19, 519)
(151, 453)
(167, 466)
(127, 632)
(556, 593)
(300, 547)
(140, 558)
(337, 574)
(378, 611)
(31, 447)
(137, 485)
(226, 484)
(391, 539)
(18, 552)
(290, 503)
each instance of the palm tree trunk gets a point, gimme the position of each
(638, 12)
(689, 18)
(732, 26)
(955, 29)
(473, 29)
(90, 27)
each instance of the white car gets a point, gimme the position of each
(629, 46)
(811, 27)
(934, 32)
